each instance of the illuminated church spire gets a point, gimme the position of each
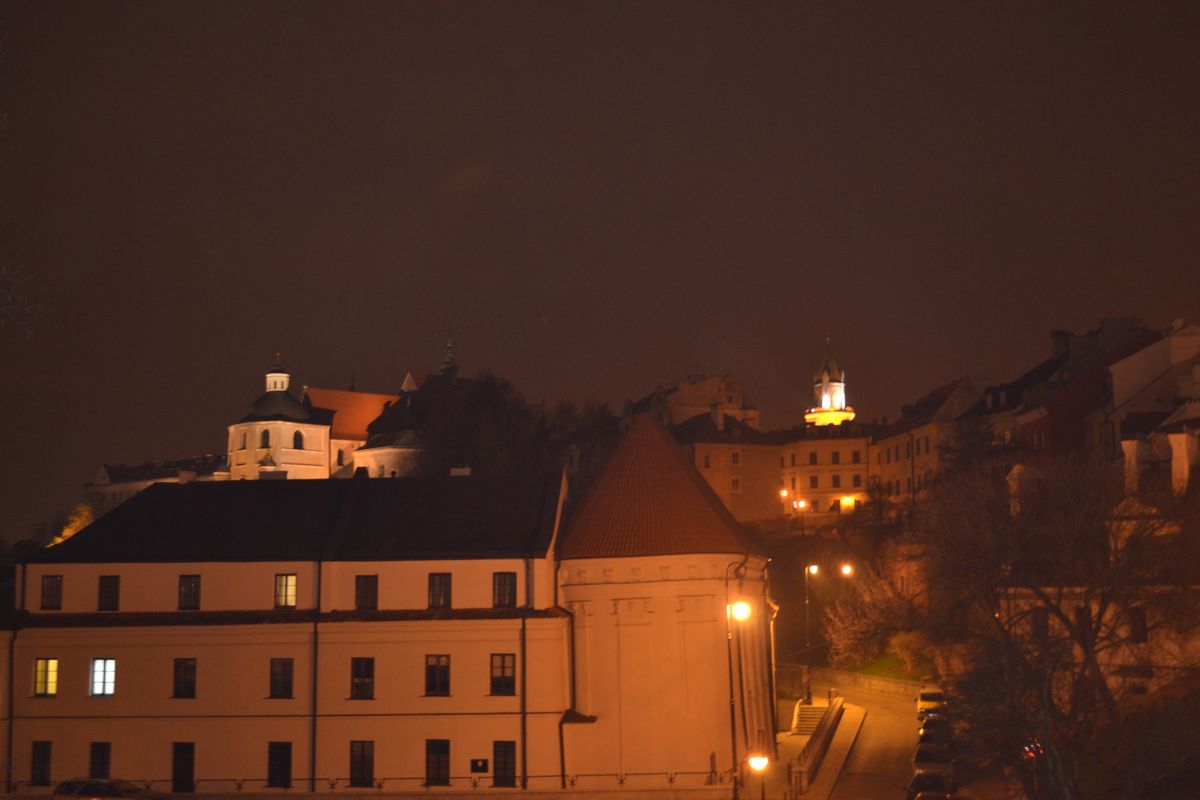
(829, 393)
(278, 378)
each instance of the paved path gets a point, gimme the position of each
(878, 767)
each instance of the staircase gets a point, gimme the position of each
(807, 719)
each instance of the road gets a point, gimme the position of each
(879, 768)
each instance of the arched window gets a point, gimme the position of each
(341, 458)
(264, 439)
(297, 441)
(243, 447)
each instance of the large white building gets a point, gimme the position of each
(425, 634)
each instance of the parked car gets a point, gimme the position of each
(97, 789)
(935, 730)
(929, 786)
(931, 702)
(934, 758)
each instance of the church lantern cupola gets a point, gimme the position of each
(278, 379)
(829, 393)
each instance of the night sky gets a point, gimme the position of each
(592, 199)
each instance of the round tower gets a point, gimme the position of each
(829, 393)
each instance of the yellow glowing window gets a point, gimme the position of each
(45, 677)
(285, 591)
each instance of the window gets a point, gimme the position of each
(504, 763)
(52, 592)
(908, 487)
(855, 457)
(735, 457)
(362, 763)
(362, 679)
(243, 447)
(504, 673)
(857, 481)
(281, 678)
(926, 444)
(793, 483)
(835, 457)
(887, 453)
(837, 481)
(264, 439)
(100, 760)
(793, 458)
(781, 462)
(279, 765)
(439, 590)
(707, 461)
(813, 481)
(285, 591)
(189, 592)
(45, 677)
(896, 452)
(185, 678)
(1138, 633)
(341, 457)
(39, 768)
(812, 458)
(366, 592)
(104, 677)
(110, 593)
(735, 485)
(297, 441)
(437, 762)
(437, 676)
(1039, 624)
(504, 589)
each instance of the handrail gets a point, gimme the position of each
(806, 764)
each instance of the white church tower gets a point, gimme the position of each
(829, 393)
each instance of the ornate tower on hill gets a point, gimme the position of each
(829, 393)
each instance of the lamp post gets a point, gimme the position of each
(799, 506)
(811, 569)
(758, 764)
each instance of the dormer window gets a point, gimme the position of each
(264, 439)
(297, 441)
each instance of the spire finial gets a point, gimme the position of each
(449, 363)
(278, 365)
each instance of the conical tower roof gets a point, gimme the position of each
(649, 501)
(829, 366)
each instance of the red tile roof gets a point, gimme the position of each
(648, 500)
(353, 411)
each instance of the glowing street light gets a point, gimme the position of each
(740, 610)
(812, 569)
(847, 570)
(758, 763)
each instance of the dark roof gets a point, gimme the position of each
(829, 367)
(335, 520)
(284, 406)
(923, 410)
(206, 464)
(448, 395)
(702, 429)
(139, 619)
(649, 500)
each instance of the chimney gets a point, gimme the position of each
(718, 417)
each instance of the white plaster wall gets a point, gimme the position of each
(382, 462)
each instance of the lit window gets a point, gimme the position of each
(297, 441)
(285, 591)
(52, 586)
(45, 677)
(504, 673)
(104, 677)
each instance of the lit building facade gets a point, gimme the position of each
(354, 636)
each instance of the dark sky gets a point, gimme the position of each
(591, 198)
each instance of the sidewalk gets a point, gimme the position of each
(831, 766)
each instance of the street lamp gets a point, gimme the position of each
(740, 610)
(798, 506)
(758, 764)
(811, 569)
(847, 570)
